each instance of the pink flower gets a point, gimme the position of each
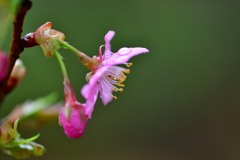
(72, 115)
(105, 76)
(3, 64)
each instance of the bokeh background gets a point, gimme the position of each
(181, 100)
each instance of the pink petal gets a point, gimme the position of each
(87, 89)
(124, 54)
(107, 39)
(90, 90)
(92, 94)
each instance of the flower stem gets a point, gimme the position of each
(62, 65)
(16, 47)
(86, 61)
(70, 97)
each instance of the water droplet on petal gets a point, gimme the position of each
(123, 51)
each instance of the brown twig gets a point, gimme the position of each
(17, 46)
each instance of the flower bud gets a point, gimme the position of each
(73, 120)
(17, 75)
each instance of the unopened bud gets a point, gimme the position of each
(73, 120)
(17, 75)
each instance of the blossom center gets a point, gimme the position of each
(115, 76)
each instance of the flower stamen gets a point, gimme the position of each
(115, 76)
(129, 64)
(117, 89)
(119, 85)
(112, 96)
(126, 71)
(114, 89)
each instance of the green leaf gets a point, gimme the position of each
(29, 139)
(13, 132)
(33, 107)
(23, 151)
(15, 125)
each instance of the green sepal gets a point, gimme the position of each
(28, 140)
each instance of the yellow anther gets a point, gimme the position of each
(126, 71)
(114, 89)
(120, 89)
(121, 74)
(118, 84)
(113, 96)
(113, 78)
(123, 79)
(129, 64)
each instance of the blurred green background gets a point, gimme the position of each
(181, 100)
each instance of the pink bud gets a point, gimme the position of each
(17, 75)
(73, 120)
(72, 116)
